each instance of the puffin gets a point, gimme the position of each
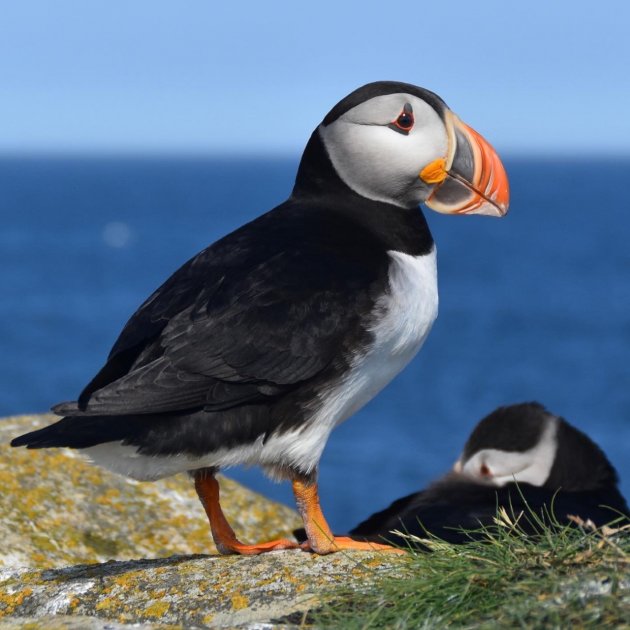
(257, 347)
(522, 458)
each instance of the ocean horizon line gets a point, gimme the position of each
(276, 155)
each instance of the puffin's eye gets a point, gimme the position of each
(485, 471)
(404, 123)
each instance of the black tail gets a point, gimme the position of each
(78, 432)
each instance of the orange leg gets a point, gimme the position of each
(207, 488)
(319, 537)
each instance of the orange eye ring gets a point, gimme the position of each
(405, 121)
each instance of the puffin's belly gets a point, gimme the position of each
(402, 320)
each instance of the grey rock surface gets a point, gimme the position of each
(188, 591)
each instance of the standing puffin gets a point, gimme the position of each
(255, 349)
(561, 473)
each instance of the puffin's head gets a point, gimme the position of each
(526, 443)
(400, 144)
(512, 443)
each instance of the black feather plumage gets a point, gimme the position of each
(452, 504)
(238, 341)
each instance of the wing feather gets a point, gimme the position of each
(249, 318)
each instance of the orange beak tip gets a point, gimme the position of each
(476, 181)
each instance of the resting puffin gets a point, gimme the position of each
(558, 470)
(255, 349)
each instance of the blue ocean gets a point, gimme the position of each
(535, 306)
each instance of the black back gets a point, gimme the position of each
(453, 504)
(579, 464)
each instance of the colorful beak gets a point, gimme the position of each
(471, 179)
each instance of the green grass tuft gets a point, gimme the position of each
(565, 577)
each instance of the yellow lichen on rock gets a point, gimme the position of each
(56, 509)
(157, 609)
(228, 591)
(239, 602)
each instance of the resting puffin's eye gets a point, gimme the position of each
(484, 471)
(404, 123)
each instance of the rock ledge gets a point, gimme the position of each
(72, 534)
(185, 591)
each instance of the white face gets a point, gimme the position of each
(382, 163)
(497, 468)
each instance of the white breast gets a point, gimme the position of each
(410, 307)
(402, 320)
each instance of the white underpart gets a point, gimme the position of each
(403, 319)
(532, 466)
(378, 162)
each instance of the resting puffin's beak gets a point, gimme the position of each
(471, 178)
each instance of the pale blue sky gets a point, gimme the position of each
(152, 75)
